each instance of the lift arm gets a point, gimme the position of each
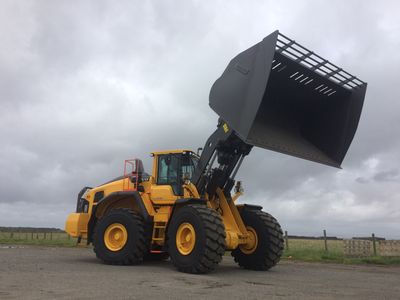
(228, 150)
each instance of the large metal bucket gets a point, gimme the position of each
(280, 96)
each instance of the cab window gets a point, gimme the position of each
(189, 163)
(174, 169)
(168, 169)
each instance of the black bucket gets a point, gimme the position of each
(280, 96)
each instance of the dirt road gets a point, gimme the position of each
(75, 273)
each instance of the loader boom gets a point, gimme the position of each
(228, 151)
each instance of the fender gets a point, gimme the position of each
(242, 207)
(129, 199)
(185, 201)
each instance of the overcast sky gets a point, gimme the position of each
(85, 85)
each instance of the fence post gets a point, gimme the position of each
(32, 235)
(51, 236)
(286, 240)
(37, 235)
(325, 241)
(11, 235)
(45, 235)
(374, 243)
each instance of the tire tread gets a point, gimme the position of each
(271, 255)
(133, 257)
(215, 241)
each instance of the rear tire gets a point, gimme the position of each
(205, 244)
(269, 248)
(128, 250)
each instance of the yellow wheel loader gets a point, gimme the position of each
(275, 95)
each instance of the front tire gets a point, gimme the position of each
(196, 239)
(268, 246)
(119, 238)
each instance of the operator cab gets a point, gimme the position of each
(174, 168)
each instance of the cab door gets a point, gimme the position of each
(168, 186)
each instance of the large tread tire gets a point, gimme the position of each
(135, 247)
(270, 242)
(210, 239)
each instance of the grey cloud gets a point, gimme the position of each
(362, 180)
(384, 176)
(85, 85)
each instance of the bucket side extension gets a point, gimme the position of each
(280, 96)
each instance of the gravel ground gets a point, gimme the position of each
(29, 272)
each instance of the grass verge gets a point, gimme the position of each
(315, 255)
(59, 243)
(38, 239)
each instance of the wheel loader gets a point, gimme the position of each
(276, 95)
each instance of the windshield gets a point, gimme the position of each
(174, 169)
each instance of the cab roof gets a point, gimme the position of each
(171, 151)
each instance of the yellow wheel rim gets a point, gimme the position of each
(252, 242)
(115, 237)
(185, 238)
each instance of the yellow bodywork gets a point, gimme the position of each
(158, 201)
(76, 224)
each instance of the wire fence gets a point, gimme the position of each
(39, 238)
(34, 235)
(334, 247)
